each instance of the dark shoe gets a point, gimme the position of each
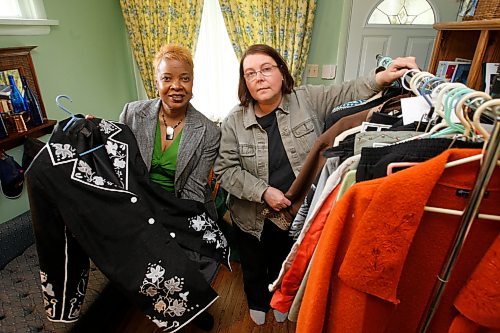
(204, 321)
(11, 177)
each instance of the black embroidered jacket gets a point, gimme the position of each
(101, 205)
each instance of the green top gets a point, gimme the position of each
(163, 163)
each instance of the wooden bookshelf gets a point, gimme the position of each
(476, 40)
(17, 139)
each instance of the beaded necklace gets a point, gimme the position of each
(170, 129)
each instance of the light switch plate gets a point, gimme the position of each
(312, 70)
(328, 71)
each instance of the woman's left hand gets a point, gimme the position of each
(397, 69)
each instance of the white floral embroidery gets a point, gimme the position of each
(111, 147)
(166, 296)
(210, 236)
(85, 171)
(98, 180)
(75, 297)
(164, 324)
(63, 151)
(177, 308)
(197, 222)
(106, 126)
(117, 153)
(155, 273)
(173, 285)
(47, 289)
(119, 164)
(211, 232)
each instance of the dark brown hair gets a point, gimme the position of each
(286, 87)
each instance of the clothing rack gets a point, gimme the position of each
(485, 172)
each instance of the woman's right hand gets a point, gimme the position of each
(275, 199)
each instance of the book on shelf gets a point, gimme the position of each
(461, 73)
(491, 72)
(447, 70)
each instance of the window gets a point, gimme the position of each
(10, 9)
(216, 67)
(22, 9)
(24, 17)
(402, 12)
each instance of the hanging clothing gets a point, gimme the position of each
(102, 205)
(479, 301)
(321, 196)
(381, 253)
(374, 161)
(315, 160)
(283, 296)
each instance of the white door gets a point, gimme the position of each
(366, 39)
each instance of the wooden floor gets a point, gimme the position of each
(230, 311)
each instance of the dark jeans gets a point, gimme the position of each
(261, 261)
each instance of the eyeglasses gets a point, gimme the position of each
(265, 71)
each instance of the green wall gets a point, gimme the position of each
(85, 57)
(330, 28)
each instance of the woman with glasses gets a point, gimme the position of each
(265, 139)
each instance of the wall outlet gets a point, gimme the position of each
(328, 71)
(312, 70)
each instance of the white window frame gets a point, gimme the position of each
(33, 21)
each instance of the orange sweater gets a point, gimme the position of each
(379, 253)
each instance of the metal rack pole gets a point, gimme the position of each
(488, 166)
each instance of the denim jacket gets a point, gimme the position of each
(242, 164)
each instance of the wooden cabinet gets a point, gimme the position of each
(476, 40)
(17, 62)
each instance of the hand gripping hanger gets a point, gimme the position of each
(488, 165)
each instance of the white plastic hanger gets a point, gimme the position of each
(494, 104)
(461, 113)
(345, 133)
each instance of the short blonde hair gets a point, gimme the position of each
(173, 52)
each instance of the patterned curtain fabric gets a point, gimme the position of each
(285, 25)
(152, 23)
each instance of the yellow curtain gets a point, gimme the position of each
(285, 25)
(152, 23)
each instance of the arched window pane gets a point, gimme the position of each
(425, 17)
(379, 17)
(402, 12)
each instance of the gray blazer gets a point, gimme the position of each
(197, 149)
